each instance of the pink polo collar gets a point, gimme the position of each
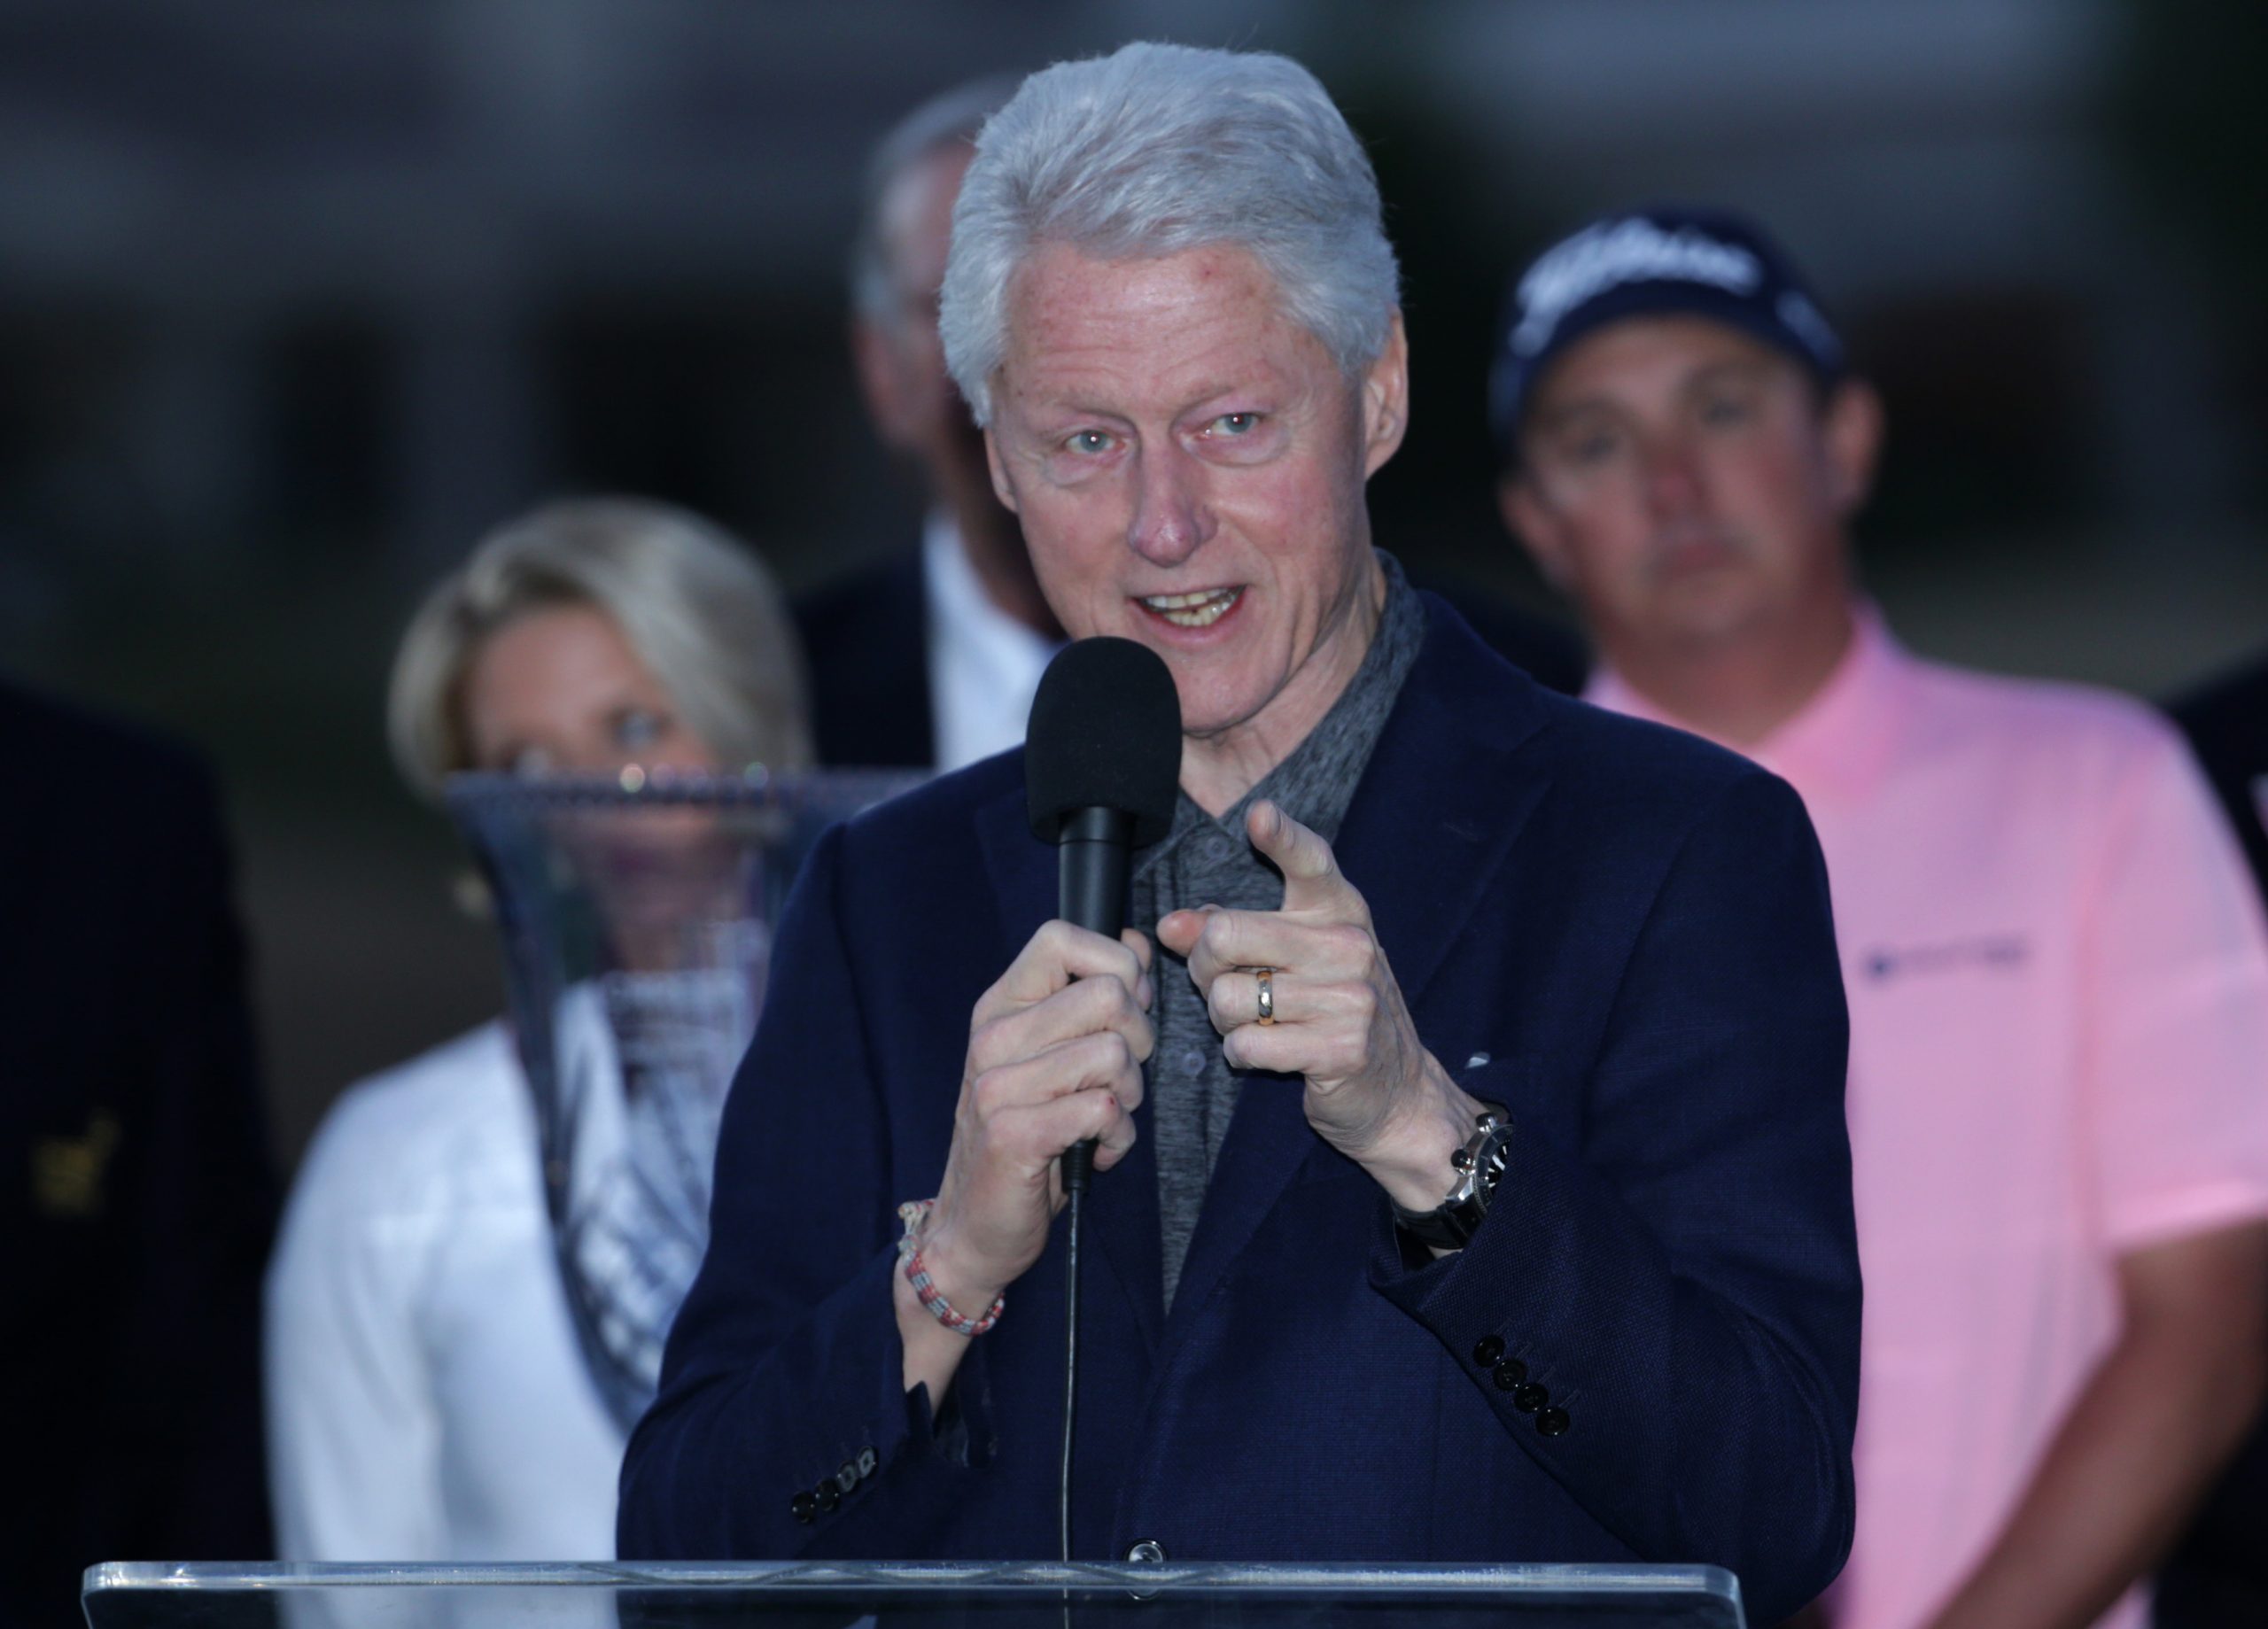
(1844, 738)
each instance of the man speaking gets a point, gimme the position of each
(1472, 1182)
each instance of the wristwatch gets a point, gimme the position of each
(1479, 1165)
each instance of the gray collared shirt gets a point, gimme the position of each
(1201, 861)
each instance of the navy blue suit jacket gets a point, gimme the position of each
(1620, 931)
(136, 1201)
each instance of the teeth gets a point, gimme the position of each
(1193, 610)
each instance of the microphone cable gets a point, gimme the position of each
(1078, 1165)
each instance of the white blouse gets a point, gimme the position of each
(426, 1397)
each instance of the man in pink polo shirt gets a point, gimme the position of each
(2057, 970)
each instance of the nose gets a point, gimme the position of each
(1674, 487)
(1171, 520)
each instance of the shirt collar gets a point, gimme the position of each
(1841, 742)
(960, 612)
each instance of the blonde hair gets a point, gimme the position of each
(694, 603)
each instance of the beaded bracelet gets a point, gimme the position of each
(915, 1215)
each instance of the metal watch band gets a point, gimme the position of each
(1479, 1165)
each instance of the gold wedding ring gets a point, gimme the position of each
(1266, 994)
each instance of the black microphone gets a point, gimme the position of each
(1102, 769)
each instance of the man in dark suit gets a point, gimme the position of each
(929, 660)
(139, 1199)
(1472, 1182)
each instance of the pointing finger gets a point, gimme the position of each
(1312, 879)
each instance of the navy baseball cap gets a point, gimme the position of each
(1669, 261)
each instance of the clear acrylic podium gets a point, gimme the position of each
(908, 1596)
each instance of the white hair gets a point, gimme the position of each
(694, 602)
(1157, 149)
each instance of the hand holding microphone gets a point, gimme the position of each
(1053, 1071)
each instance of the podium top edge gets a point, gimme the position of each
(847, 1577)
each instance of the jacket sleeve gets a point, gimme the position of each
(180, 1459)
(783, 1377)
(1667, 1317)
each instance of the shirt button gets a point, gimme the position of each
(1489, 1348)
(804, 1507)
(1527, 1399)
(1149, 1551)
(1217, 846)
(1192, 1061)
(1553, 1423)
(1509, 1374)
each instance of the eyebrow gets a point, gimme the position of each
(1549, 420)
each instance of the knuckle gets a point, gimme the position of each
(984, 1042)
(990, 1093)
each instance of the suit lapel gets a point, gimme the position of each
(1440, 804)
(1121, 1212)
(1431, 821)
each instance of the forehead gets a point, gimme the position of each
(1209, 317)
(1643, 356)
(916, 215)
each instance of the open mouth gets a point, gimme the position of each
(1192, 610)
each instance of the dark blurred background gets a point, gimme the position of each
(297, 298)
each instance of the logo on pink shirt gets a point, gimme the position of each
(1986, 950)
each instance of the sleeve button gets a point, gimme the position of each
(1553, 1423)
(805, 1508)
(826, 1495)
(846, 1475)
(1529, 1397)
(867, 1461)
(1509, 1374)
(1489, 1348)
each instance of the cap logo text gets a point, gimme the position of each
(1610, 255)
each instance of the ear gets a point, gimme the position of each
(1386, 399)
(881, 384)
(999, 469)
(1530, 519)
(1850, 431)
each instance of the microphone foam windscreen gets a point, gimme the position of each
(1105, 733)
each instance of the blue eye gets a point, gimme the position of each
(637, 728)
(1089, 441)
(1237, 424)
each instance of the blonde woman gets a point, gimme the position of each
(427, 1399)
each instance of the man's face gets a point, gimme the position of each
(1683, 482)
(901, 360)
(1188, 463)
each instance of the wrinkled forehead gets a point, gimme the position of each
(1170, 319)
